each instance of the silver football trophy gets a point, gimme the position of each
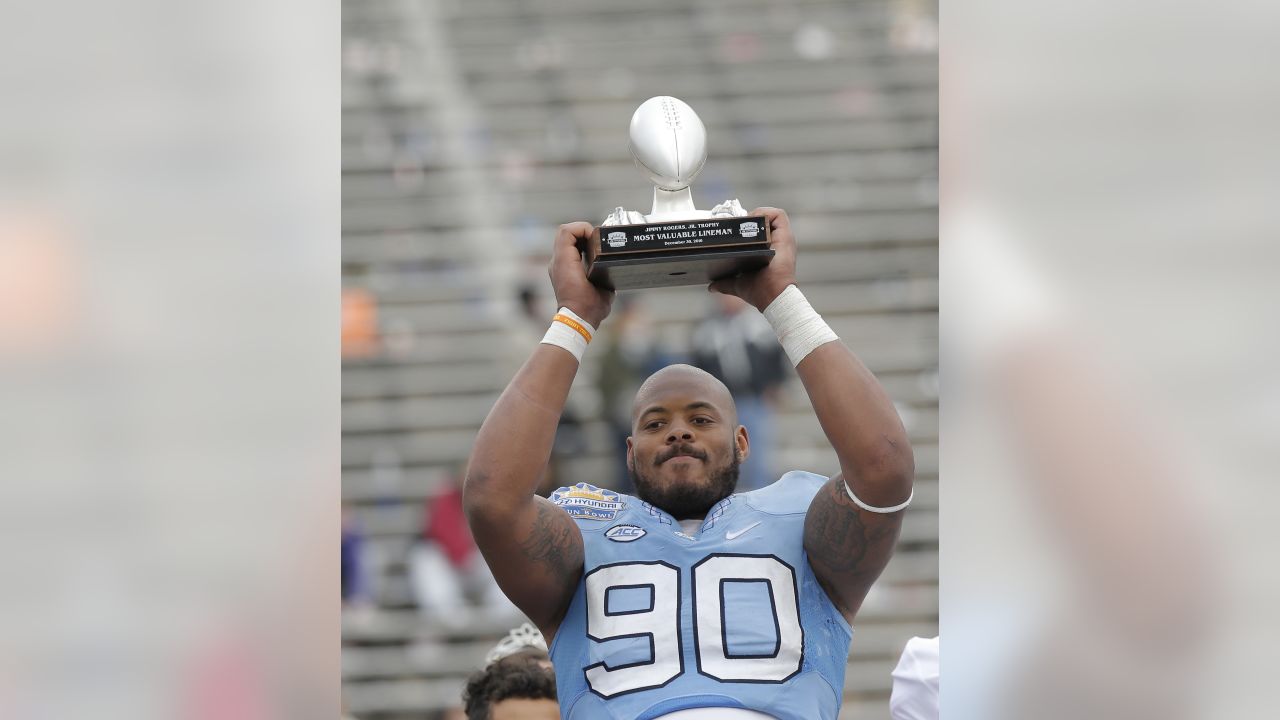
(675, 244)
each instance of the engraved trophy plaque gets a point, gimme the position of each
(675, 244)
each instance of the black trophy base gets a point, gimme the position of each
(635, 273)
(683, 252)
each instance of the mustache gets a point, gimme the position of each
(680, 450)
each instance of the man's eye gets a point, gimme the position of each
(701, 420)
(653, 425)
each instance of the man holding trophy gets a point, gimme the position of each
(690, 601)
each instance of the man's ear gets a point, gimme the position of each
(742, 443)
(631, 459)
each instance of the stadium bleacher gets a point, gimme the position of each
(472, 128)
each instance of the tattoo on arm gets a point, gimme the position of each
(847, 553)
(551, 542)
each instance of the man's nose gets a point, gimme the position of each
(677, 432)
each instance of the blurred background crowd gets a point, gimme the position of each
(470, 131)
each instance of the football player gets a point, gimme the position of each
(688, 601)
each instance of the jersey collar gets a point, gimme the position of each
(708, 522)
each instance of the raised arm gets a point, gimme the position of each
(847, 546)
(533, 547)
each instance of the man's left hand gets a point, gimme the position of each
(761, 286)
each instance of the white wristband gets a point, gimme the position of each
(570, 332)
(799, 327)
(871, 508)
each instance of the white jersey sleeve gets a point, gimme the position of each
(915, 681)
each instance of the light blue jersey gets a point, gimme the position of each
(730, 617)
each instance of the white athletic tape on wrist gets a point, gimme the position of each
(570, 332)
(872, 508)
(799, 327)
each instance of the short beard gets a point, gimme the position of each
(684, 501)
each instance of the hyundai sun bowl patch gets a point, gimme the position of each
(588, 502)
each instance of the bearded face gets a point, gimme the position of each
(688, 498)
(686, 445)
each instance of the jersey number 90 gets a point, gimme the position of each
(717, 580)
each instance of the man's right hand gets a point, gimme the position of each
(569, 276)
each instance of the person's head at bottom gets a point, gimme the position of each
(518, 687)
(686, 443)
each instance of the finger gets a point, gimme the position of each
(777, 217)
(725, 286)
(568, 239)
(573, 232)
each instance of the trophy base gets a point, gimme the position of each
(669, 271)
(684, 252)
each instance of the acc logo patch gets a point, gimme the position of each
(588, 502)
(624, 533)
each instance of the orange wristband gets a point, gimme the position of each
(582, 330)
(569, 332)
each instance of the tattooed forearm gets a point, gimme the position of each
(533, 548)
(552, 541)
(846, 549)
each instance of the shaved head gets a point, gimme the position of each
(686, 444)
(679, 377)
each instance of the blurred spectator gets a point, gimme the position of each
(517, 683)
(530, 308)
(355, 580)
(445, 565)
(631, 354)
(741, 349)
(359, 323)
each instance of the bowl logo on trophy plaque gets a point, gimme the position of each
(675, 244)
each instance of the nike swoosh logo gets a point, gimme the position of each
(731, 535)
